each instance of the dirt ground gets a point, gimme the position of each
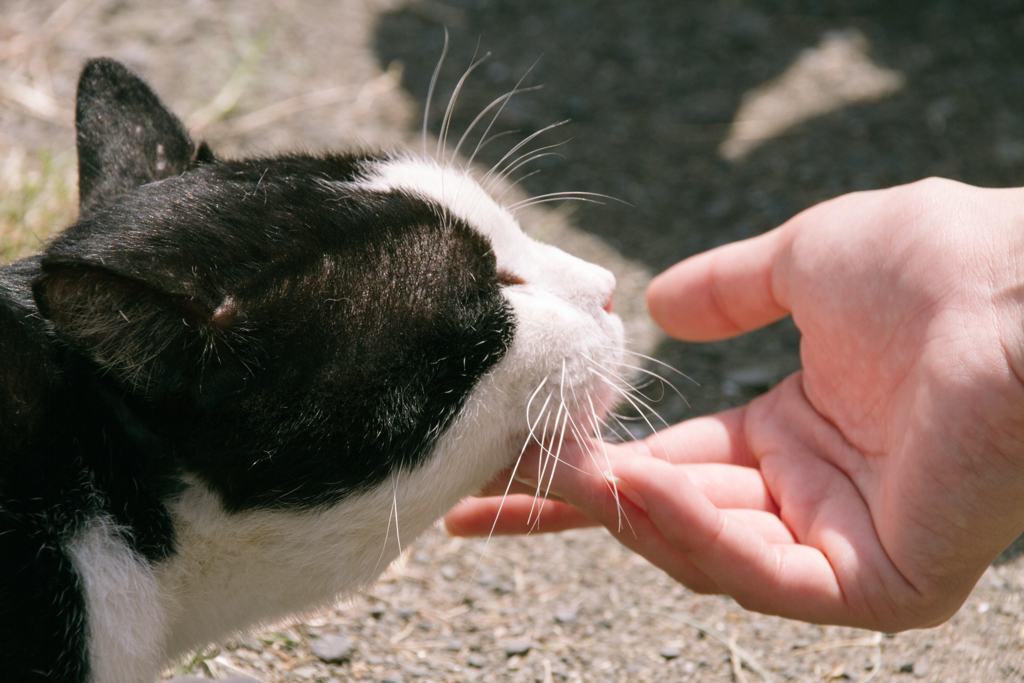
(710, 121)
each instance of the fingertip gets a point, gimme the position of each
(720, 293)
(471, 517)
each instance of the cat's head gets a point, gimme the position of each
(302, 327)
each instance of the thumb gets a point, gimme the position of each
(723, 292)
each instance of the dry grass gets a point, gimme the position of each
(38, 197)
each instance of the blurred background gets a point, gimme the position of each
(707, 122)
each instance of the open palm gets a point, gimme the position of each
(873, 487)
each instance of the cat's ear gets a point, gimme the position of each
(152, 342)
(126, 136)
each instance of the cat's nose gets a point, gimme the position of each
(608, 305)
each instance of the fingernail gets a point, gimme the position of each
(627, 492)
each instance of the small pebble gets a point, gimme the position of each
(477, 661)
(517, 647)
(333, 649)
(906, 668)
(453, 645)
(671, 652)
(566, 615)
(406, 612)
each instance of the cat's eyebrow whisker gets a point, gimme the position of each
(518, 147)
(483, 138)
(522, 161)
(503, 100)
(430, 90)
(446, 121)
(521, 206)
(567, 196)
(494, 137)
(513, 184)
(526, 158)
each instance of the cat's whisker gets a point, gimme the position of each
(394, 499)
(496, 136)
(653, 375)
(530, 436)
(588, 448)
(635, 391)
(508, 174)
(393, 512)
(561, 440)
(519, 146)
(609, 479)
(526, 158)
(573, 196)
(652, 359)
(512, 185)
(483, 138)
(548, 453)
(515, 467)
(430, 90)
(446, 121)
(636, 403)
(503, 100)
(515, 211)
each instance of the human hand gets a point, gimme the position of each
(875, 486)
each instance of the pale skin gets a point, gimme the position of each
(873, 487)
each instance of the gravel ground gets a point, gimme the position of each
(713, 122)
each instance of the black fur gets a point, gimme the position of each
(249, 323)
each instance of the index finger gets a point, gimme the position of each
(719, 438)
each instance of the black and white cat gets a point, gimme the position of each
(224, 386)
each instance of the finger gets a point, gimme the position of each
(717, 438)
(721, 293)
(760, 572)
(712, 449)
(726, 486)
(515, 514)
(767, 525)
(731, 487)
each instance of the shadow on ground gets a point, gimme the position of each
(653, 90)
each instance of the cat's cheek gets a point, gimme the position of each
(564, 358)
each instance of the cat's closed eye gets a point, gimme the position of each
(507, 279)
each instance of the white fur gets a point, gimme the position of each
(238, 571)
(126, 625)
